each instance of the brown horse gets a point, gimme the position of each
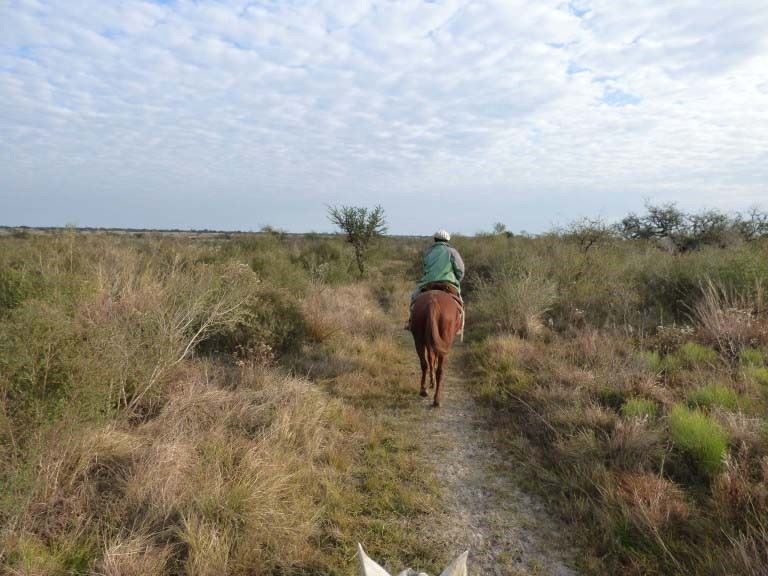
(435, 321)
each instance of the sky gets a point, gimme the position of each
(456, 114)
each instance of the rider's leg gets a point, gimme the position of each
(414, 295)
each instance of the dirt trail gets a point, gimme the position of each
(507, 532)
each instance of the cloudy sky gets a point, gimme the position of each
(234, 114)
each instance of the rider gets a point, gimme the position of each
(443, 269)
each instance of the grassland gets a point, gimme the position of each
(630, 379)
(202, 406)
(215, 405)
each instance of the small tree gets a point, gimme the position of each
(361, 225)
(753, 225)
(663, 222)
(589, 232)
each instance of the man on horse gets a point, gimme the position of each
(443, 270)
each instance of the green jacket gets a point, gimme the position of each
(442, 263)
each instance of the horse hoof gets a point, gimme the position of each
(423, 393)
(435, 404)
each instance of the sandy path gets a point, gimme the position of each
(507, 531)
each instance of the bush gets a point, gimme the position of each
(757, 374)
(714, 395)
(37, 358)
(752, 357)
(502, 367)
(515, 303)
(324, 260)
(693, 355)
(639, 407)
(270, 321)
(14, 288)
(727, 319)
(699, 436)
(650, 360)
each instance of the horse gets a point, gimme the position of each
(435, 321)
(370, 568)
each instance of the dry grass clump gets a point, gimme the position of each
(135, 555)
(653, 502)
(221, 481)
(740, 491)
(731, 320)
(343, 311)
(515, 302)
(635, 445)
(747, 554)
(740, 496)
(505, 363)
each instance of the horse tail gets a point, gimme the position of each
(434, 341)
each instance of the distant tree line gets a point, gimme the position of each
(672, 228)
(690, 231)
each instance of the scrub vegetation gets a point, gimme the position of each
(627, 366)
(202, 406)
(235, 405)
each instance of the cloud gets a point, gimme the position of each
(237, 113)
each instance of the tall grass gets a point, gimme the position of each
(150, 424)
(177, 405)
(631, 335)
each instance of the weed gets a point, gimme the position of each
(714, 395)
(639, 408)
(752, 357)
(757, 374)
(651, 360)
(700, 436)
(693, 355)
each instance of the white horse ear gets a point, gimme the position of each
(367, 566)
(458, 567)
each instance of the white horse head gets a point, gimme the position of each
(369, 568)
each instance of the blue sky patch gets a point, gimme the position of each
(614, 97)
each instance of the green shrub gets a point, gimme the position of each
(714, 395)
(651, 360)
(752, 357)
(15, 287)
(692, 355)
(757, 374)
(671, 364)
(325, 260)
(639, 407)
(700, 436)
(37, 355)
(272, 321)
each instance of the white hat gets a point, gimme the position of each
(442, 235)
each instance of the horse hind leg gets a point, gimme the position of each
(439, 377)
(424, 368)
(432, 356)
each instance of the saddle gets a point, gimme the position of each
(445, 287)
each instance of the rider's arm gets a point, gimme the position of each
(458, 264)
